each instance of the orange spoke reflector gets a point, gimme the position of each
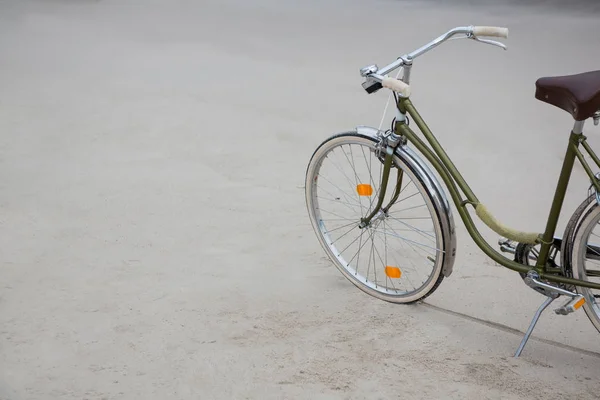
(364, 189)
(579, 303)
(393, 272)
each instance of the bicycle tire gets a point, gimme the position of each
(430, 193)
(581, 254)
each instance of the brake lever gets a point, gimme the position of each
(487, 41)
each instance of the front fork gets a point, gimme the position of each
(390, 142)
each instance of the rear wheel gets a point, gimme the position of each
(399, 256)
(584, 251)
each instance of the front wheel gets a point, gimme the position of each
(399, 256)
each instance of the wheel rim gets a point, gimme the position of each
(407, 240)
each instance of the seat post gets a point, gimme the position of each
(578, 127)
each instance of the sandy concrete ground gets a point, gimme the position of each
(154, 241)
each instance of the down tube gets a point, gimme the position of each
(404, 130)
(439, 151)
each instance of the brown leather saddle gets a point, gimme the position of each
(578, 94)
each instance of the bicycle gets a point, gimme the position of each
(406, 211)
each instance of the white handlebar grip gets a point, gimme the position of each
(494, 31)
(397, 86)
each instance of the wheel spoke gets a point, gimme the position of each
(342, 172)
(355, 175)
(350, 202)
(423, 233)
(337, 187)
(337, 202)
(406, 198)
(409, 208)
(337, 215)
(370, 254)
(417, 250)
(416, 243)
(350, 230)
(360, 246)
(368, 164)
(414, 268)
(346, 248)
(340, 227)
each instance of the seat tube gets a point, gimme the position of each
(559, 195)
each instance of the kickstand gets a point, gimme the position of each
(534, 321)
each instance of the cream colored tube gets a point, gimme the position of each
(496, 226)
(493, 31)
(397, 86)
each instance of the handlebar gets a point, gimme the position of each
(376, 76)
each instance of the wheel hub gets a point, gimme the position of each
(375, 221)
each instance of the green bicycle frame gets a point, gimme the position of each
(454, 181)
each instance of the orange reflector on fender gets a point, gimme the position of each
(579, 303)
(364, 189)
(393, 272)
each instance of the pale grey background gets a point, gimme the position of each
(154, 241)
